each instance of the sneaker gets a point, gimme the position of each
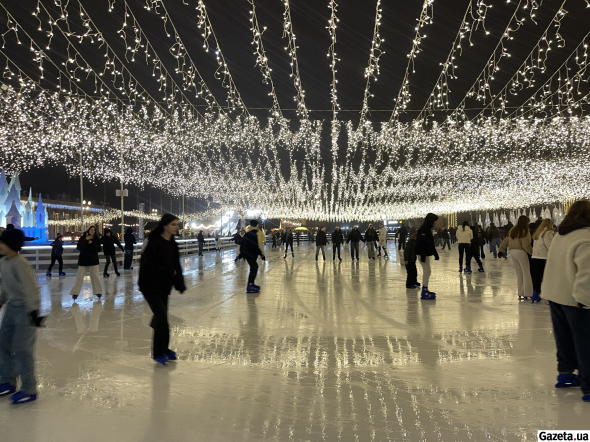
(161, 360)
(567, 381)
(22, 398)
(6, 389)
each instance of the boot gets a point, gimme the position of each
(480, 269)
(426, 294)
(117, 273)
(536, 297)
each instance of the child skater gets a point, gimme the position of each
(20, 294)
(410, 262)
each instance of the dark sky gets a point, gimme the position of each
(310, 18)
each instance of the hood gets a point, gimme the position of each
(571, 224)
(430, 219)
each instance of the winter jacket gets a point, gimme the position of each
(337, 237)
(464, 236)
(19, 283)
(250, 248)
(402, 233)
(261, 238)
(493, 233)
(159, 261)
(288, 238)
(523, 243)
(321, 239)
(354, 236)
(541, 245)
(410, 251)
(130, 241)
(567, 273)
(425, 242)
(201, 238)
(108, 244)
(88, 251)
(238, 238)
(383, 237)
(57, 248)
(480, 234)
(371, 235)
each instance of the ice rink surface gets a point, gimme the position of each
(327, 351)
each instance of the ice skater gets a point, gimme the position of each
(20, 295)
(109, 241)
(425, 248)
(370, 239)
(382, 244)
(410, 262)
(160, 270)
(464, 236)
(250, 251)
(337, 241)
(519, 242)
(321, 241)
(89, 247)
(57, 251)
(355, 238)
(288, 241)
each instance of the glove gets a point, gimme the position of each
(500, 254)
(36, 319)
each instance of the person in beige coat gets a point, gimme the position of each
(566, 284)
(519, 243)
(542, 239)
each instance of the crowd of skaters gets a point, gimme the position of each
(549, 260)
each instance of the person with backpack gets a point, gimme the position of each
(519, 243)
(160, 270)
(425, 248)
(542, 239)
(89, 247)
(321, 242)
(410, 262)
(566, 284)
(57, 251)
(464, 237)
(20, 297)
(109, 241)
(337, 241)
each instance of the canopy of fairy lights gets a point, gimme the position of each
(106, 125)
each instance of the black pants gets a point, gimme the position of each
(402, 244)
(113, 259)
(287, 244)
(200, 248)
(158, 303)
(475, 256)
(481, 253)
(354, 246)
(537, 271)
(571, 329)
(59, 259)
(334, 248)
(412, 278)
(253, 270)
(464, 249)
(446, 243)
(128, 259)
(274, 243)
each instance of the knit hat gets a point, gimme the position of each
(323, 227)
(13, 238)
(254, 223)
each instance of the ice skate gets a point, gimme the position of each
(171, 355)
(22, 398)
(480, 269)
(48, 275)
(62, 273)
(426, 294)
(468, 270)
(6, 389)
(460, 269)
(567, 381)
(161, 360)
(536, 297)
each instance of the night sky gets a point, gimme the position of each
(310, 18)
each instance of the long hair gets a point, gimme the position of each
(546, 225)
(87, 232)
(465, 224)
(578, 216)
(521, 229)
(167, 218)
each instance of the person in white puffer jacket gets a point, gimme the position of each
(541, 242)
(566, 285)
(464, 237)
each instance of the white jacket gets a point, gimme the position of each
(464, 236)
(541, 245)
(567, 273)
(383, 237)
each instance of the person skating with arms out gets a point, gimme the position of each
(250, 251)
(20, 296)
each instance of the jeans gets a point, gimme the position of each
(17, 346)
(59, 259)
(571, 328)
(158, 303)
(371, 249)
(354, 246)
(200, 248)
(464, 249)
(113, 259)
(537, 272)
(426, 271)
(317, 251)
(520, 259)
(495, 244)
(253, 270)
(334, 248)
(93, 270)
(412, 278)
(128, 259)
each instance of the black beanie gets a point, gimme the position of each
(13, 238)
(253, 222)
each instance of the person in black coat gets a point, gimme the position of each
(355, 238)
(57, 251)
(425, 248)
(371, 238)
(320, 243)
(130, 242)
(288, 241)
(201, 241)
(250, 251)
(403, 235)
(109, 241)
(26, 238)
(89, 247)
(475, 247)
(337, 241)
